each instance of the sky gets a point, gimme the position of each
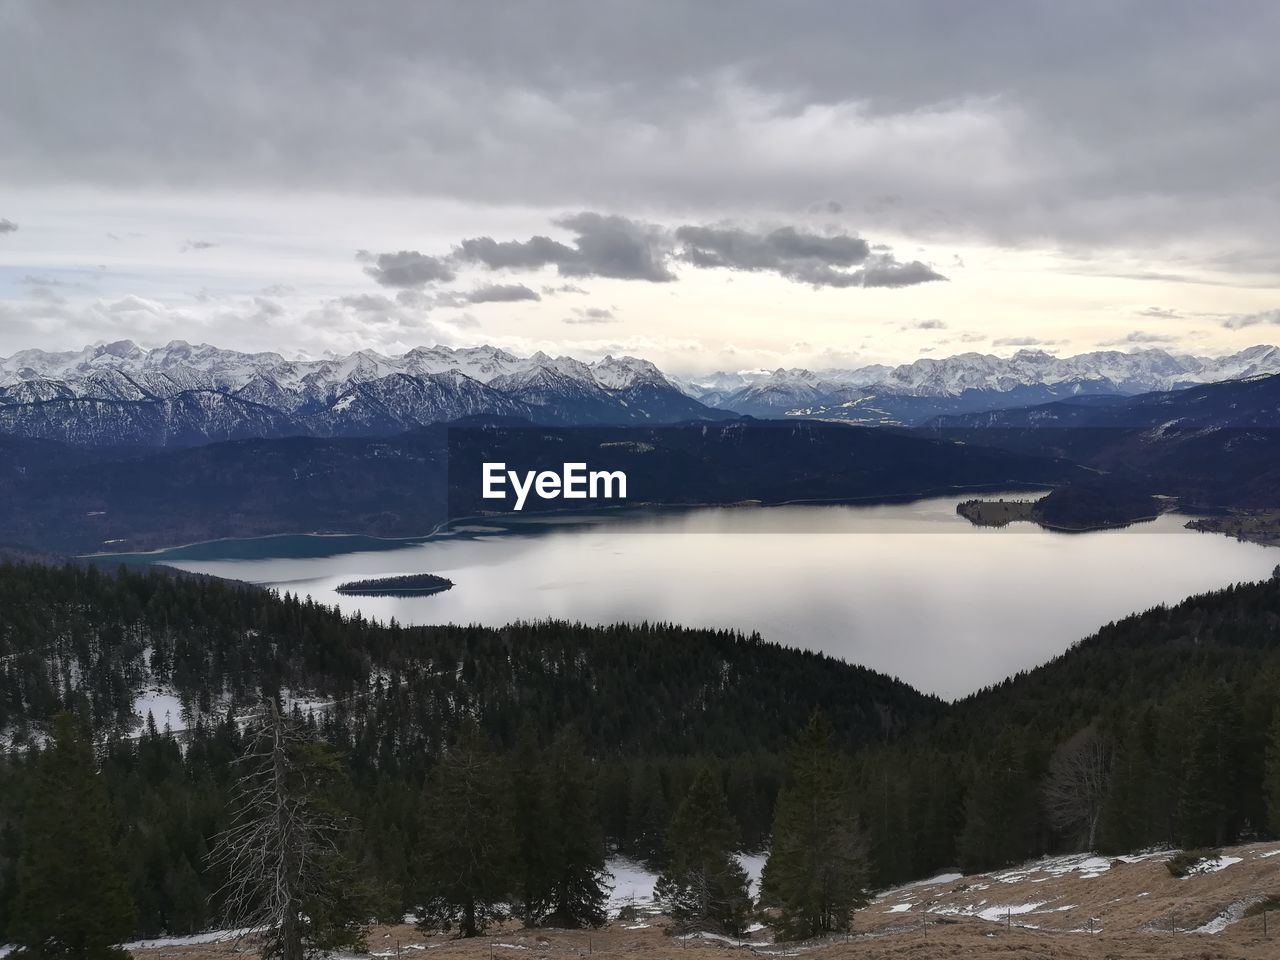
(710, 186)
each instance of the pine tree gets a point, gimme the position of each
(73, 901)
(578, 889)
(1273, 777)
(1206, 812)
(467, 839)
(648, 812)
(703, 887)
(1000, 808)
(817, 869)
(532, 824)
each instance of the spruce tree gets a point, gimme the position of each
(817, 867)
(73, 901)
(1206, 811)
(703, 887)
(579, 888)
(1273, 777)
(1000, 808)
(648, 812)
(533, 828)
(468, 842)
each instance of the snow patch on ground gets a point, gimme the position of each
(1232, 914)
(633, 882)
(211, 936)
(1212, 866)
(164, 705)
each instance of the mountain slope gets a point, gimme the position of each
(1215, 444)
(82, 501)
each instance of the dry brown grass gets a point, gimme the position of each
(1135, 904)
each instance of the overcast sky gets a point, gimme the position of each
(709, 185)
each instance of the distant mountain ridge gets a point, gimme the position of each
(913, 393)
(184, 395)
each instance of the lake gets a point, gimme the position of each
(912, 590)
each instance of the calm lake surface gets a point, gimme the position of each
(912, 590)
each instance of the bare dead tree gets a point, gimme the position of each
(276, 852)
(1076, 785)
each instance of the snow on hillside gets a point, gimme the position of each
(1085, 892)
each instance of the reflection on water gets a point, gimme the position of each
(908, 589)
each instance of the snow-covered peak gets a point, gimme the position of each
(619, 373)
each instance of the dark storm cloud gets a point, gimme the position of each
(1120, 121)
(405, 268)
(501, 293)
(603, 246)
(7, 226)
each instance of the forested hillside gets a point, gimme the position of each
(1162, 729)
(652, 705)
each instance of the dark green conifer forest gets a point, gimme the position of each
(536, 750)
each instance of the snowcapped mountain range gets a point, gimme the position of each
(182, 394)
(969, 382)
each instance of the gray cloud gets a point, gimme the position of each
(816, 259)
(405, 268)
(995, 131)
(1159, 313)
(1240, 321)
(925, 325)
(1138, 337)
(603, 246)
(7, 226)
(368, 303)
(592, 315)
(198, 245)
(551, 291)
(501, 293)
(608, 245)
(785, 250)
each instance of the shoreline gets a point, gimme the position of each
(441, 530)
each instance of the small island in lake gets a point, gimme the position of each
(1075, 508)
(410, 585)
